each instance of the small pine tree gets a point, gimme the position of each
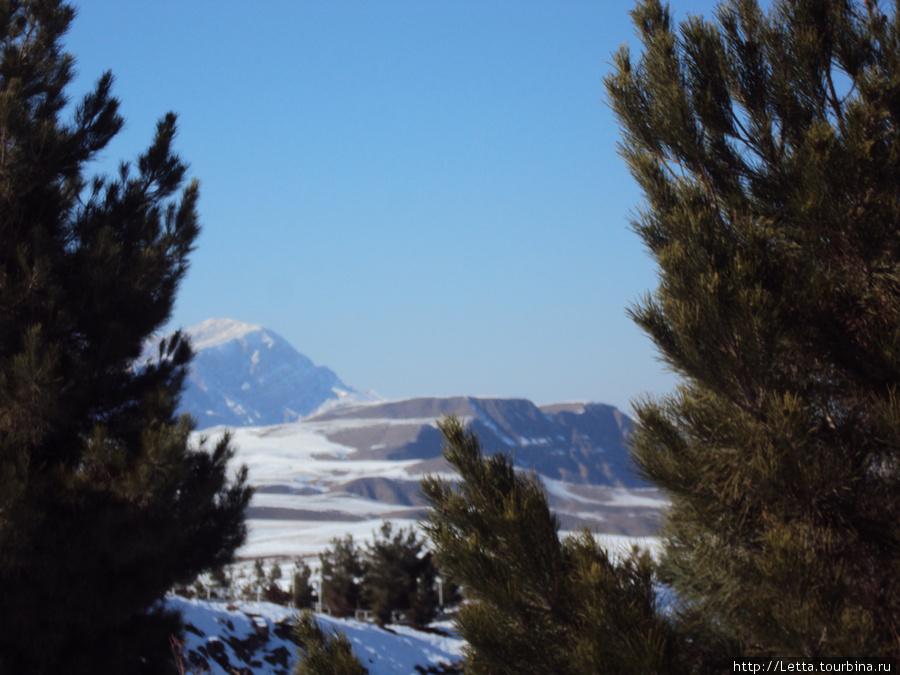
(321, 653)
(259, 575)
(272, 591)
(341, 575)
(274, 572)
(399, 576)
(424, 603)
(276, 594)
(535, 604)
(303, 595)
(766, 144)
(220, 581)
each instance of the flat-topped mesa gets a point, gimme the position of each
(582, 443)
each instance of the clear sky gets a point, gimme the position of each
(424, 196)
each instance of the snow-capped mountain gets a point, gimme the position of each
(245, 374)
(326, 460)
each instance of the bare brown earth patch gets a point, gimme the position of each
(376, 440)
(435, 465)
(386, 490)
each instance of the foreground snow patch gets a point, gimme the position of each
(226, 637)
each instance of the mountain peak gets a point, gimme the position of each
(245, 374)
(214, 332)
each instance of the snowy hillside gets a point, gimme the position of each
(223, 638)
(245, 374)
(310, 488)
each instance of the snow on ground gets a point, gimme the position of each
(608, 496)
(324, 502)
(558, 488)
(272, 538)
(620, 545)
(278, 538)
(302, 503)
(296, 454)
(226, 637)
(301, 506)
(276, 449)
(636, 499)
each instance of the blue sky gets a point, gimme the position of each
(424, 196)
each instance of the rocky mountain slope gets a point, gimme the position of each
(580, 443)
(247, 375)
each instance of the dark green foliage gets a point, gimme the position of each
(272, 592)
(399, 576)
(423, 602)
(392, 574)
(341, 575)
(302, 593)
(259, 574)
(220, 582)
(768, 148)
(274, 572)
(322, 653)
(449, 592)
(536, 604)
(103, 504)
(264, 585)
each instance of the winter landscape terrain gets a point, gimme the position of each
(223, 638)
(246, 375)
(327, 460)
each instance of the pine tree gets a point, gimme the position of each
(424, 603)
(274, 572)
(536, 604)
(220, 580)
(302, 593)
(341, 575)
(321, 653)
(103, 503)
(259, 576)
(767, 145)
(272, 591)
(398, 575)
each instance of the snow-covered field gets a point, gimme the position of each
(305, 539)
(298, 457)
(304, 495)
(300, 503)
(225, 637)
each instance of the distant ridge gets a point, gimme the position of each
(327, 460)
(576, 442)
(244, 374)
